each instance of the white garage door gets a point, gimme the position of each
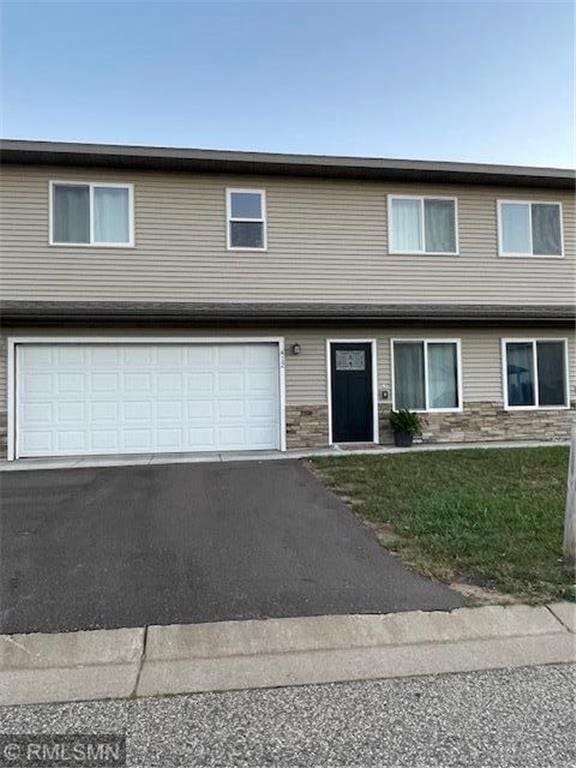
(75, 399)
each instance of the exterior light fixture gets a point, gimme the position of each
(296, 349)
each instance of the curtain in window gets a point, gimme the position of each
(551, 373)
(111, 222)
(546, 230)
(515, 227)
(520, 373)
(71, 214)
(409, 375)
(442, 376)
(406, 225)
(440, 226)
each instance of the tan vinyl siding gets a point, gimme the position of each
(306, 380)
(327, 241)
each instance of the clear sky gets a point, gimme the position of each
(464, 80)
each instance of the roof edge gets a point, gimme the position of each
(27, 152)
(69, 313)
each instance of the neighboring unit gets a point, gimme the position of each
(167, 300)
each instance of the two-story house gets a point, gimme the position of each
(172, 300)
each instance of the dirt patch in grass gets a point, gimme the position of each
(489, 522)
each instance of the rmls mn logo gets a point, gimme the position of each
(59, 750)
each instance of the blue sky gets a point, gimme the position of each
(477, 81)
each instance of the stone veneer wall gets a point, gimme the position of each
(485, 421)
(306, 426)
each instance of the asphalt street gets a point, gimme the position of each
(522, 717)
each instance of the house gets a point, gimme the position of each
(168, 300)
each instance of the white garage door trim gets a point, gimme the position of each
(15, 341)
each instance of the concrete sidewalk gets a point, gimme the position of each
(133, 460)
(159, 660)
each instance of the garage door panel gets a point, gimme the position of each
(137, 355)
(200, 409)
(170, 382)
(37, 443)
(71, 383)
(71, 357)
(230, 357)
(202, 439)
(231, 381)
(104, 441)
(170, 409)
(105, 382)
(136, 440)
(231, 437)
(137, 382)
(107, 356)
(199, 384)
(38, 384)
(113, 398)
(263, 409)
(137, 410)
(72, 440)
(71, 411)
(170, 439)
(199, 357)
(102, 411)
(37, 413)
(230, 409)
(260, 436)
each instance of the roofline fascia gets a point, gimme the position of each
(14, 151)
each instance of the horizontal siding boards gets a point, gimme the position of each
(327, 241)
(306, 381)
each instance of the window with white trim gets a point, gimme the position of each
(535, 373)
(87, 213)
(425, 225)
(529, 229)
(246, 209)
(426, 374)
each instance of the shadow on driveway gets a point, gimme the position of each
(132, 546)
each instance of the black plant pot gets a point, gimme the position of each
(403, 439)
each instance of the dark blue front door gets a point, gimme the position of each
(352, 406)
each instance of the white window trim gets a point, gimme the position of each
(14, 342)
(426, 342)
(261, 220)
(533, 340)
(374, 348)
(529, 255)
(423, 252)
(91, 185)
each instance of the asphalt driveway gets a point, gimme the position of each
(131, 546)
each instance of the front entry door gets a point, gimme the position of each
(352, 405)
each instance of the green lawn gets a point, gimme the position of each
(490, 517)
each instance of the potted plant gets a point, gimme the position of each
(405, 424)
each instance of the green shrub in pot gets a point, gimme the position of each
(405, 424)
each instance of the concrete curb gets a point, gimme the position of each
(156, 459)
(278, 652)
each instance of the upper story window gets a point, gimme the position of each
(423, 225)
(535, 373)
(426, 374)
(529, 229)
(86, 213)
(246, 213)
